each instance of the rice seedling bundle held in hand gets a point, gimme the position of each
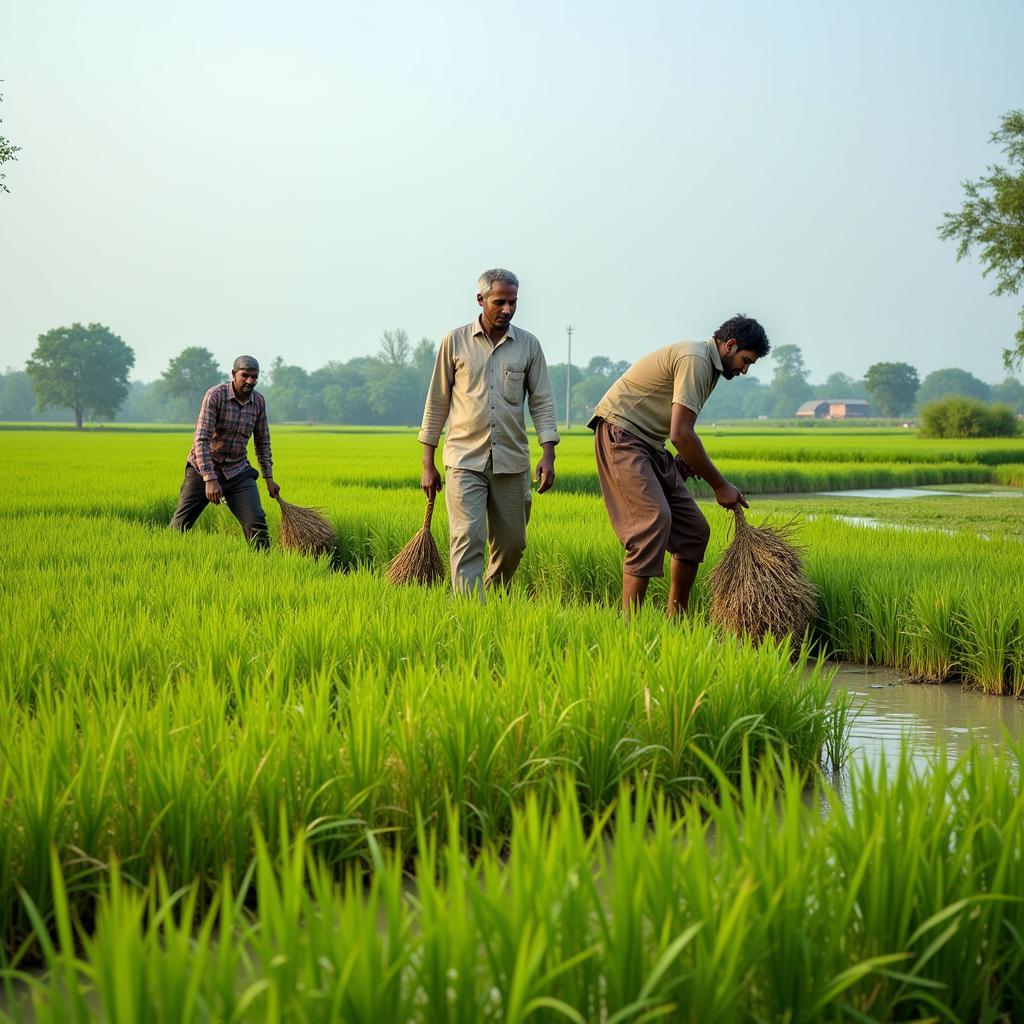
(759, 585)
(306, 530)
(420, 560)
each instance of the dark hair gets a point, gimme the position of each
(747, 331)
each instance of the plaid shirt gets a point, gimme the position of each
(223, 430)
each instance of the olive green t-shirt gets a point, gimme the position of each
(641, 400)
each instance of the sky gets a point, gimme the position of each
(295, 179)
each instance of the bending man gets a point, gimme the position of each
(659, 397)
(217, 468)
(483, 374)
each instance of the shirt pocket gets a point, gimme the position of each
(512, 384)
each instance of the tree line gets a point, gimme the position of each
(81, 372)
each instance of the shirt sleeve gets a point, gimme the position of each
(208, 413)
(439, 394)
(690, 382)
(542, 398)
(261, 442)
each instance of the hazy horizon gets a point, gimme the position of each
(295, 182)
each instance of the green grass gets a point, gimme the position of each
(901, 902)
(220, 769)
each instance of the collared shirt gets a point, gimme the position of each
(479, 387)
(641, 400)
(223, 430)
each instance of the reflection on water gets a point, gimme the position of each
(914, 492)
(928, 715)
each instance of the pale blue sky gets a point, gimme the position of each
(294, 181)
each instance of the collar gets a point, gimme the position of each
(509, 335)
(231, 393)
(716, 359)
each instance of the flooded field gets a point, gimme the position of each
(892, 711)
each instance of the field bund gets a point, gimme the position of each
(393, 802)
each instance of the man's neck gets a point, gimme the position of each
(493, 331)
(241, 398)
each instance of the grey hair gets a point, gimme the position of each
(245, 363)
(488, 277)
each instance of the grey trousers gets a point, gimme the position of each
(486, 507)
(240, 494)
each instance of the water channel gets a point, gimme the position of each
(892, 711)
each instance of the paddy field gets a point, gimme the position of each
(237, 786)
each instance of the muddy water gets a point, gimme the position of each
(892, 710)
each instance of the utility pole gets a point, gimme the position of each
(568, 379)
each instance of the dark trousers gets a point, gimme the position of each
(241, 497)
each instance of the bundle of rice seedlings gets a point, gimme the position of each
(306, 530)
(759, 585)
(419, 561)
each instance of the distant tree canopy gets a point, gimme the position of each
(991, 219)
(892, 387)
(190, 374)
(1010, 392)
(389, 388)
(81, 368)
(951, 383)
(789, 380)
(841, 385)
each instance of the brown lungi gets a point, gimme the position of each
(650, 508)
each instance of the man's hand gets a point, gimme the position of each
(545, 473)
(214, 494)
(729, 496)
(273, 488)
(430, 482)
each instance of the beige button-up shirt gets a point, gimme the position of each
(641, 400)
(479, 387)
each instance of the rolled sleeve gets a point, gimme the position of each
(205, 425)
(439, 395)
(261, 442)
(692, 382)
(541, 398)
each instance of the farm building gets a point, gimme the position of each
(834, 409)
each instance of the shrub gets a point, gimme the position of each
(967, 417)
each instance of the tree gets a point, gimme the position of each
(395, 348)
(17, 402)
(992, 218)
(892, 387)
(81, 368)
(789, 380)
(951, 383)
(394, 392)
(289, 396)
(424, 355)
(842, 385)
(8, 151)
(190, 374)
(1010, 392)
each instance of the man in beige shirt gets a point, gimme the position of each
(483, 374)
(659, 397)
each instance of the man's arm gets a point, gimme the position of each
(683, 436)
(209, 412)
(261, 442)
(541, 400)
(435, 414)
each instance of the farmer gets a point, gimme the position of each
(650, 508)
(483, 373)
(217, 468)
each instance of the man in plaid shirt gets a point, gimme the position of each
(217, 468)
